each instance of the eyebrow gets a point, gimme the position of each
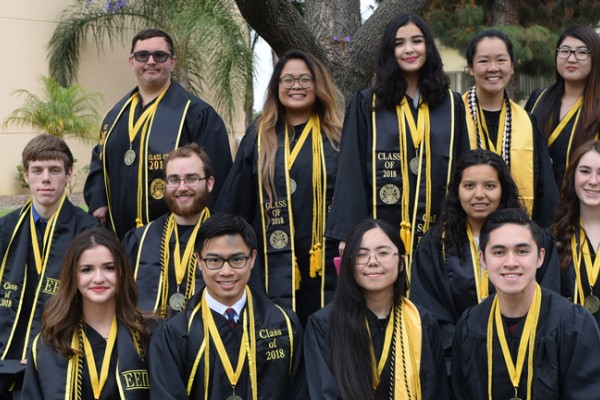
(376, 248)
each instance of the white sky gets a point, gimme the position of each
(264, 65)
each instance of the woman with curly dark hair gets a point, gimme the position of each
(93, 338)
(577, 228)
(400, 139)
(568, 111)
(447, 276)
(371, 342)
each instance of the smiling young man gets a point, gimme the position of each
(125, 186)
(230, 340)
(33, 239)
(524, 342)
(162, 252)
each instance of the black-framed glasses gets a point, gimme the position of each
(287, 81)
(158, 56)
(382, 256)
(189, 180)
(564, 53)
(236, 262)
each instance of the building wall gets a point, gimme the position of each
(26, 27)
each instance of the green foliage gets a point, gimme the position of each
(210, 42)
(60, 111)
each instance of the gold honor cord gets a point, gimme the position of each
(247, 348)
(41, 256)
(483, 129)
(575, 108)
(480, 275)
(98, 384)
(592, 269)
(377, 367)
(526, 344)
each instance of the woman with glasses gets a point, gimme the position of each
(282, 182)
(447, 276)
(93, 339)
(568, 111)
(497, 123)
(371, 342)
(400, 138)
(577, 228)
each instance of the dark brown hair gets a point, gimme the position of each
(46, 147)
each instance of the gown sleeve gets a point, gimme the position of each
(32, 386)
(166, 360)
(93, 191)
(548, 275)
(434, 382)
(298, 381)
(322, 384)
(546, 193)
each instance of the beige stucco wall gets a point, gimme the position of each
(26, 27)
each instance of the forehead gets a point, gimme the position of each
(98, 254)
(296, 67)
(481, 171)
(572, 42)
(491, 46)
(509, 236)
(152, 44)
(225, 245)
(374, 238)
(408, 30)
(185, 165)
(590, 159)
(46, 163)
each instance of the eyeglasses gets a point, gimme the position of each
(287, 82)
(158, 56)
(580, 54)
(381, 256)
(235, 262)
(190, 181)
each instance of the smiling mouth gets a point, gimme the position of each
(511, 275)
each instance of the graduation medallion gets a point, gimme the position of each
(176, 301)
(414, 165)
(234, 397)
(293, 186)
(592, 304)
(129, 157)
(515, 398)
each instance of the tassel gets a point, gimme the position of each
(405, 236)
(298, 276)
(316, 260)
(138, 223)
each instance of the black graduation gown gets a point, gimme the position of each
(566, 355)
(143, 247)
(46, 375)
(174, 347)
(317, 353)
(240, 196)
(201, 124)
(558, 149)
(20, 270)
(446, 287)
(353, 195)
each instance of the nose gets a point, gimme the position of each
(511, 260)
(478, 192)
(45, 174)
(372, 260)
(98, 276)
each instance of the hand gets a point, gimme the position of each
(100, 214)
(341, 248)
(24, 362)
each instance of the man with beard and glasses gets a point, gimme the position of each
(162, 252)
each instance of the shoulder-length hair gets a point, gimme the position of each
(64, 310)
(452, 228)
(589, 119)
(350, 351)
(390, 84)
(567, 220)
(329, 107)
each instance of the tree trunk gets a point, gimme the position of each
(351, 64)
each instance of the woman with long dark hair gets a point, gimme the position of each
(447, 275)
(577, 228)
(568, 111)
(400, 138)
(497, 123)
(282, 182)
(371, 342)
(93, 338)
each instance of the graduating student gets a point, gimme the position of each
(282, 183)
(497, 123)
(125, 186)
(93, 338)
(577, 228)
(33, 240)
(567, 111)
(231, 341)
(162, 252)
(400, 139)
(524, 342)
(371, 342)
(447, 275)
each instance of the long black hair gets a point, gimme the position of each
(350, 350)
(453, 220)
(390, 84)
